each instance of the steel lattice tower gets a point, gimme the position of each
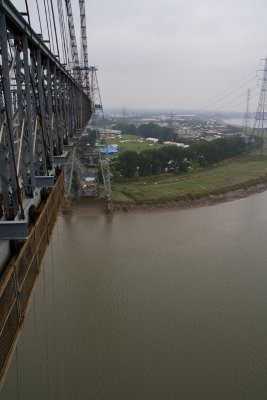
(84, 50)
(260, 122)
(246, 124)
(98, 114)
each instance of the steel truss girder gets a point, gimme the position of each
(42, 106)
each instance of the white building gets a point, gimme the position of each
(153, 140)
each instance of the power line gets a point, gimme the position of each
(218, 100)
(233, 101)
(225, 91)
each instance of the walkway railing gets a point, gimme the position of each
(18, 279)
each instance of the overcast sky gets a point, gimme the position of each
(175, 54)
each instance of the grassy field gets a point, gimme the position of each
(236, 173)
(133, 142)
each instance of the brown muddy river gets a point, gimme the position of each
(159, 306)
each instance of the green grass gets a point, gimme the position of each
(133, 143)
(240, 172)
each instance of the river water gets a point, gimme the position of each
(168, 305)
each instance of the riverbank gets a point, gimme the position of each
(228, 180)
(96, 207)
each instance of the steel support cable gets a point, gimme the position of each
(70, 60)
(61, 24)
(55, 28)
(50, 24)
(34, 94)
(84, 48)
(38, 11)
(69, 47)
(73, 42)
(62, 30)
(65, 40)
(47, 26)
(18, 188)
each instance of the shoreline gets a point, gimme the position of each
(95, 207)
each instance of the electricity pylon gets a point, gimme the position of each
(261, 114)
(246, 121)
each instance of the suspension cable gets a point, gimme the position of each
(47, 26)
(53, 16)
(34, 96)
(39, 17)
(62, 29)
(50, 24)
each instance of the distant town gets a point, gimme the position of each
(190, 126)
(147, 143)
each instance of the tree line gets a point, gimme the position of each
(173, 158)
(163, 134)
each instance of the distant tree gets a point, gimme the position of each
(153, 130)
(127, 163)
(210, 152)
(126, 128)
(150, 162)
(155, 161)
